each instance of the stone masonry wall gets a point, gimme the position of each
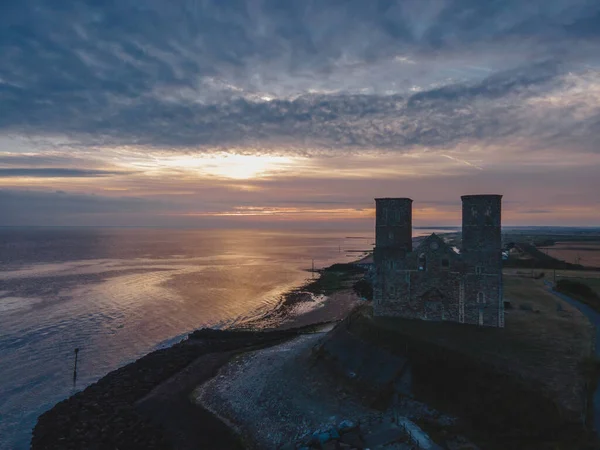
(435, 283)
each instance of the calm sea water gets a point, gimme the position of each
(117, 294)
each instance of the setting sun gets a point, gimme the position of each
(228, 165)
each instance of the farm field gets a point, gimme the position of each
(584, 253)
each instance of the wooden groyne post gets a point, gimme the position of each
(75, 367)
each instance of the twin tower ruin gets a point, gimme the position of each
(433, 281)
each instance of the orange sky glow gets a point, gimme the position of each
(206, 115)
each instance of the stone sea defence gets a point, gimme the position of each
(105, 414)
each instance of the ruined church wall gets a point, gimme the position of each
(400, 295)
(491, 308)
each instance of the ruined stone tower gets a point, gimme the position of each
(393, 237)
(433, 281)
(393, 223)
(481, 230)
(482, 253)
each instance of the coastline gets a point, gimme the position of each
(107, 414)
(297, 372)
(327, 298)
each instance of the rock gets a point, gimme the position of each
(321, 437)
(305, 439)
(333, 434)
(346, 425)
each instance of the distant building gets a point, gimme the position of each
(433, 281)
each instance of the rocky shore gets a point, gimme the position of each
(107, 415)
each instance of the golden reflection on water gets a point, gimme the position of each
(118, 293)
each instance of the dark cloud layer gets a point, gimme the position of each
(295, 74)
(58, 172)
(39, 207)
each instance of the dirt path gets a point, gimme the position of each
(594, 317)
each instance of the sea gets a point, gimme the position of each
(115, 294)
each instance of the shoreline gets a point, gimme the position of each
(327, 298)
(279, 388)
(106, 413)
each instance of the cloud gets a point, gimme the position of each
(64, 208)
(364, 98)
(297, 75)
(21, 154)
(57, 172)
(537, 211)
(497, 107)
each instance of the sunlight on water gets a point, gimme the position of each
(118, 293)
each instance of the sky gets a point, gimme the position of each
(297, 113)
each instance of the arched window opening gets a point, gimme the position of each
(489, 218)
(422, 262)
